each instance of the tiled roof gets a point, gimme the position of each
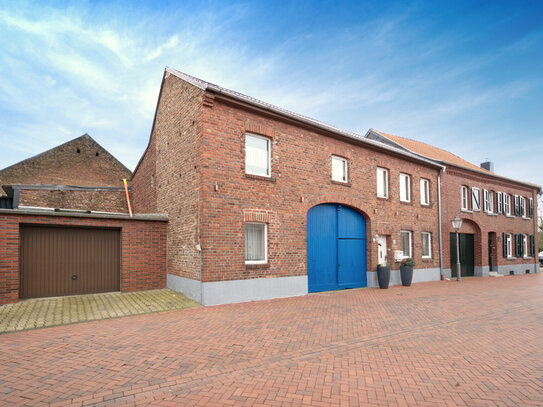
(429, 151)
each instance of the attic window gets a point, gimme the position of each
(97, 154)
(78, 151)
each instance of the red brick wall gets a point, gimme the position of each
(174, 147)
(103, 200)
(301, 170)
(480, 223)
(143, 250)
(63, 165)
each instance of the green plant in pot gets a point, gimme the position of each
(383, 275)
(406, 271)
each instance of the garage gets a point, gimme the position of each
(58, 261)
(336, 248)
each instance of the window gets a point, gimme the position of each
(507, 204)
(406, 242)
(475, 199)
(522, 206)
(524, 241)
(426, 245)
(382, 183)
(516, 209)
(465, 199)
(424, 192)
(405, 188)
(532, 245)
(256, 237)
(507, 245)
(257, 155)
(499, 202)
(488, 201)
(530, 207)
(339, 169)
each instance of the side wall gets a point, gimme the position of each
(143, 250)
(482, 223)
(90, 200)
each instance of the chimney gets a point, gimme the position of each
(488, 165)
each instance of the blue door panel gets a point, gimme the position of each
(352, 263)
(351, 224)
(336, 248)
(321, 247)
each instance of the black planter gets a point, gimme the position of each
(406, 273)
(383, 276)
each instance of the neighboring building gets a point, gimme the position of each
(65, 228)
(265, 203)
(499, 230)
(79, 174)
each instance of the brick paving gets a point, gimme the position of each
(475, 343)
(46, 312)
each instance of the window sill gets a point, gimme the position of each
(527, 257)
(345, 184)
(253, 266)
(261, 177)
(406, 203)
(384, 198)
(466, 211)
(427, 259)
(511, 258)
(509, 216)
(426, 205)
(491, 214)
(525, 218)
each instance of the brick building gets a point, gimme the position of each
(499, 230)
(65, 228)
(264, 203)
(79, 174)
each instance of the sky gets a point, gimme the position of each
(465, 76)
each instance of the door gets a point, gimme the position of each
(57, 261)
(336, 248)
(382, 250)
(466, 254)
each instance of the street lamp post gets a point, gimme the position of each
(457, 224)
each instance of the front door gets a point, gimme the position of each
(382, 250)
(336, 248)
(466, 254)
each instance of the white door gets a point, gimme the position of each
(382, 249)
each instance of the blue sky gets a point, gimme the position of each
(465, 76)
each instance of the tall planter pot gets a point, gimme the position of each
(383, 277)
(406, 273)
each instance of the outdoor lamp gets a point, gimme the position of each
(457, 224)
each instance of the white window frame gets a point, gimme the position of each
(499, 202)
(525, 252)
(429, 255)
(464, 198)
(345, 169)
(475, 208)
(425, 191)
(522, 206)
(265, 261)
(404, 177)
(516, 204)
(269, 169)
(530, 205)
(410, 234)
(382, 173)
(488, 201)
(509, 245)
(507, 204)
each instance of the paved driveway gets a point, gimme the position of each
(475, 343)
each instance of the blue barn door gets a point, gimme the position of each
(336, 248)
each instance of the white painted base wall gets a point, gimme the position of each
(226, 292)
(419, 276)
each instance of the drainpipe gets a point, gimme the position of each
(439, 224)
(127, 196)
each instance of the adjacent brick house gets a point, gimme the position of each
(250, 190)
(79, 174)
(499, 230)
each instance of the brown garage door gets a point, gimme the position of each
(59, 261)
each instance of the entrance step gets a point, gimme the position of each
(494, 274)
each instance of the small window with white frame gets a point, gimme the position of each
(509, 245)
(499, 202)
(530, 207)
(507, 204)
(256, 243)
(424, 191)
(522, 206)
(426, 245)
(488, 201)
(464, 192)
(406, 240)
(257, 155)
(339, 169)
(405, 188)
(475, 199)
(525, 251)
(382, 183)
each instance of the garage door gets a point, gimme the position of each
(336, 248)
(58, 261)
